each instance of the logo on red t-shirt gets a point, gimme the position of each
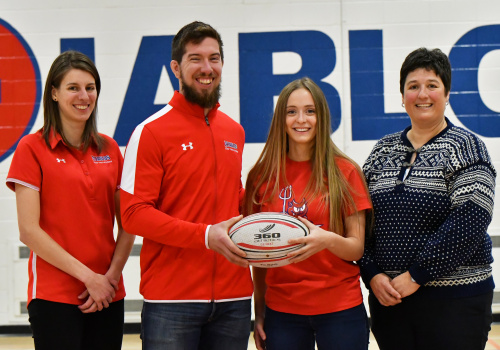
(290, 205)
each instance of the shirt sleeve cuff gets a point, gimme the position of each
(419, 274)
(369, 271)
(206, 236)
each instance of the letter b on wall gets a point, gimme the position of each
(258, 84)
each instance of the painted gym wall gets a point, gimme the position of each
(353, 48)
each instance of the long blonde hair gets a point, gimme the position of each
(327, 181)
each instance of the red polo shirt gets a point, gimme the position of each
(77, 208)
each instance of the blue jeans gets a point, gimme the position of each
(196, 326)
(342, 330)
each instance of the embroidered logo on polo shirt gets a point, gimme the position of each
(231, 146)
(102, 159)
(185, 147)
(60, 160)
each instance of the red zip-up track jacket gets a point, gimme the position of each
(182, 172)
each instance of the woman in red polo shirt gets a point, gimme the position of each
(317, 298)
(66, 177)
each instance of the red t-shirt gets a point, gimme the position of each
(322, 283)
(77, 209)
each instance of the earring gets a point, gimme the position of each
(402, 105)
(447, 103)
(55, 99)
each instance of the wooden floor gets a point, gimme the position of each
(133, 342)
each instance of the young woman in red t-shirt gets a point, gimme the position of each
(317, 298)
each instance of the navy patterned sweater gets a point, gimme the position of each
(432, 221)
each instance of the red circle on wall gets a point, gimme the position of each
(20, 88)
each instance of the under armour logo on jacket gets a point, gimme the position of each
(185, 147)
(60, 160)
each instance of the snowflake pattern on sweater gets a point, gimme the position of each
(431, 216)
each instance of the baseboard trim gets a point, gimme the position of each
(128, 328)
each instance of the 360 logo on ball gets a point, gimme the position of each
(264, 238)
(20, 88)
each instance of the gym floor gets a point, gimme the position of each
(132, 341)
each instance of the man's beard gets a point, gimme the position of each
(204, 100)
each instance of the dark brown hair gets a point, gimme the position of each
(194, 32)
(432, 60)
(51, 118)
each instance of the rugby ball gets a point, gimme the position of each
(264, 237)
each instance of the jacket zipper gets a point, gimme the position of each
(214, 206)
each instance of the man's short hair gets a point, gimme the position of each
(194, 32)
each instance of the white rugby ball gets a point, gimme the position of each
(264, 237)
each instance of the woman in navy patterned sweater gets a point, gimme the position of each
(427, 262)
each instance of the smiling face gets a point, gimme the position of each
(76, 97)
(300, 124)
(424, 97)
(199, 72)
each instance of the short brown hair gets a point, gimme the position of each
(194, 32)
(433, 60)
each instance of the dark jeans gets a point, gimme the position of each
(426, 324)
(193, 326)
(58, 326)
(343, 330)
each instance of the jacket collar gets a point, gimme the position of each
(178, 101)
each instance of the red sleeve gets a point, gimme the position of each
(140, 189)
(357, 186)
(241, 198)
(113, 146)
(120, 169)
(25, 167)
